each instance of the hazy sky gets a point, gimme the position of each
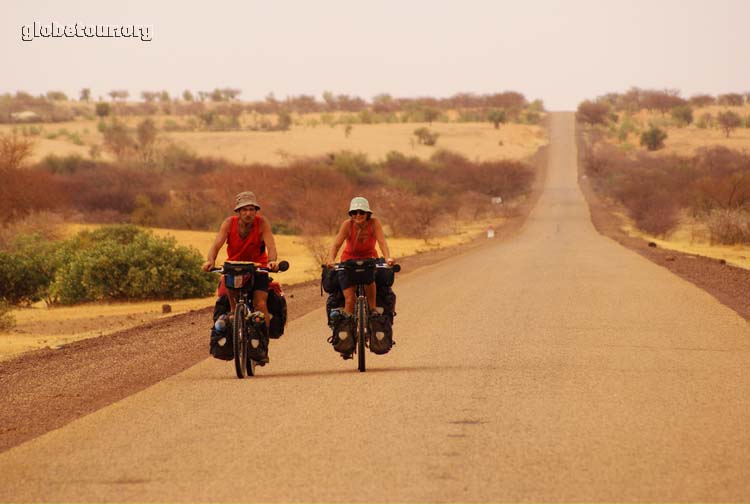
(561, 51)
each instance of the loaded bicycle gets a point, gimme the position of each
(250, 336)
(367, 329)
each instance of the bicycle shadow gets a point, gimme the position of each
(353, 370)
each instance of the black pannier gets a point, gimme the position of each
(220, 345)
(381, 334)
(277, 308)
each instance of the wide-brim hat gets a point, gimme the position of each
(359, 203)
(244, 199)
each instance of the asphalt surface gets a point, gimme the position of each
(557, 366)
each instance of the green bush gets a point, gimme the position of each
(26, 269)
(7, 320)
(125, 262)
(653, 138)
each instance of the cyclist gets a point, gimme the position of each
(249, 238)
(360, 232)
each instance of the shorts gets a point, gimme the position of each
(346, 282)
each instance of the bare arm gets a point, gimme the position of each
(270, 242)
(337, 242)
(380, 237)
(219, 241)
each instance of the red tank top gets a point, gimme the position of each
(252, 248)
(360, 247)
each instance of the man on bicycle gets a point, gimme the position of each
(248, 237)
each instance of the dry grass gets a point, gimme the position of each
(693, 237)
(687, 140)
(473, 140)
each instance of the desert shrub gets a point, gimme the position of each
(593, 112)
(425, 136)
(124, 262)
(705, 121)
(729, 227)
(15, 149)
(7, 320)
(653, 138)
(702, 100)
(103, 109)
(654, 212)
(683, 115)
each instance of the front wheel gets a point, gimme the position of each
(239, 340)
(361, 333)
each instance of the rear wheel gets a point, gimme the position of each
(361, 333)
(239, 340)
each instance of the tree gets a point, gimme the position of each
(728, 121)
(85, 95)
(119, 94)
(149, 96)
(187, 96)
(497, 117)
(146, 134)
(702, 100)
(284, 121)
(653, 138)
(430, 114)
(57, 96)
(731, 100)
(593, 112)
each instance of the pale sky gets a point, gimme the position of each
(560, 51)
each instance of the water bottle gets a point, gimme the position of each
(221, 323)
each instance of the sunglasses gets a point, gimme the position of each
(357, 212)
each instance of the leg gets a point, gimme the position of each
(349, 300)
(260, 303)
(371, 291)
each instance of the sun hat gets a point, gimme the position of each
(245, 198)
(359, 203)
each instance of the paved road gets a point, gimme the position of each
(554, 367)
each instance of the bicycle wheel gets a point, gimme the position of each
(361, 333)
(239, 340)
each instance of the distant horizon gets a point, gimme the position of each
(135, 96)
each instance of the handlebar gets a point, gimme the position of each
(282, 266)
(367, 263)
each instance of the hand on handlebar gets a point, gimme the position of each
(390, 261)
(207, 266)
(273, 266)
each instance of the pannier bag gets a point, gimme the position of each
(381, 334)
(238, 274)
(277, 308)
(343, 335)
(221, 346)
(359, 274)
(329, 280)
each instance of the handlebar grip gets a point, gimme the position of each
(396, 268)
(283, 265)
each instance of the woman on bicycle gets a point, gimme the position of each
(360, 232)
(249, 238)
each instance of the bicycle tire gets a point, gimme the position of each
(361, 326)
(240, 341)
